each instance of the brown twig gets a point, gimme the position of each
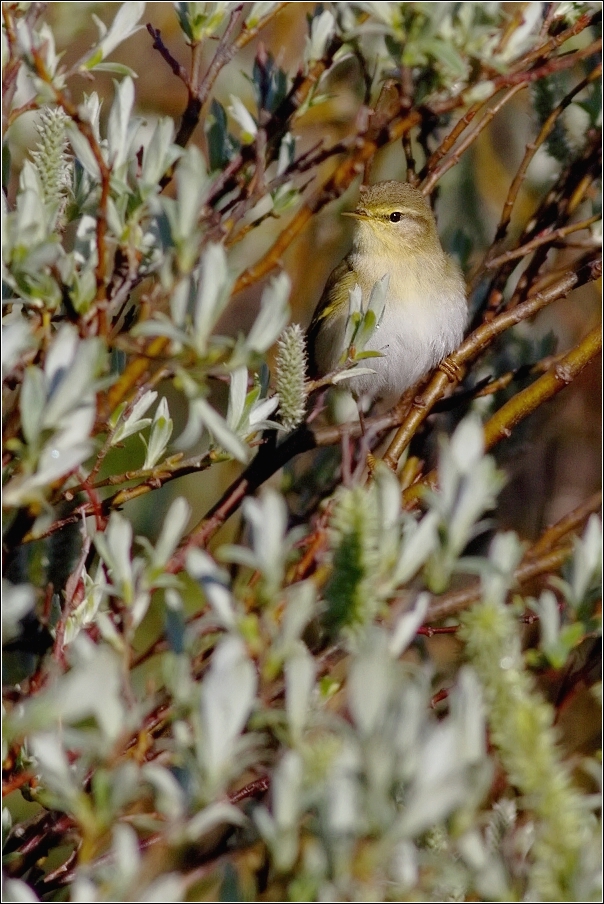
(547, 238)
(544, 388)
(552, 536)
(199, 90)
(545, 50)
(136, 369)
(152, 479)
(178, 70)
(450, 139)
(556, 64)
(553, 210)
(530, 152)
(438, 171)
(11, 69)
(544, 556)
(16, 781)
(454, 366)
(452, 603)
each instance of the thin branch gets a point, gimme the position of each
(532, 149)
(16, 781)
(227, 49)
(438, 171)
(520, 71)
(556, 64)
(11, 69)
(545, 239)
(554, 210)
(585, 21)
(568, 524)
(178, 70)
(136, 369)
(448, 142)
(500, 426)
(152, 479)
(452, 603)
(453, 368)
(225, 52)
(544, 556)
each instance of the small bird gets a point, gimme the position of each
(425, 311)
(423, 320)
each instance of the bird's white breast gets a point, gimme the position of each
(423, 322)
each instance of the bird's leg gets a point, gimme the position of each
(346, 458)
(370, 456)
(318, 405)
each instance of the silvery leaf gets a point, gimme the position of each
(222, 435)
(299, 684)
(212, 294)
(120, 123)
(407, 625)
(172, 530)
(273, 315)
(122, 27)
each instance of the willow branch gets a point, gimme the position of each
(514, 411)
(557, 64)
(548, 238)
(521, 70)
(568, 524)
(531, 150)
(544, 555)
(448, 142)
(199, 91)
(224, 54)
(438, 171)
(546, 49)
(178, 70)
(11, 69)
(451, 603)
(199, 88)
(152, 479)
(452, 369)
(554, 209)
(135, 370)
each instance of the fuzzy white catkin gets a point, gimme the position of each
(291, 376)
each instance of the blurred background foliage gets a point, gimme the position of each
(306, 711)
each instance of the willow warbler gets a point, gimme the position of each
(425, 310)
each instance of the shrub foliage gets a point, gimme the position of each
(269, 714)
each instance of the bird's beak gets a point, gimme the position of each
(356, 214)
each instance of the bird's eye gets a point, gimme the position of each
(395, 216)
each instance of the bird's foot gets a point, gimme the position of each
(451, 370)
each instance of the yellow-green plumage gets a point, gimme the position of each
(426, 310)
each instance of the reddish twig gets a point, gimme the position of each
(452, 603)
(438, 171)
(530, 152)
(178, 70)
(452, 370)
(544, 388)
(547, 238)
